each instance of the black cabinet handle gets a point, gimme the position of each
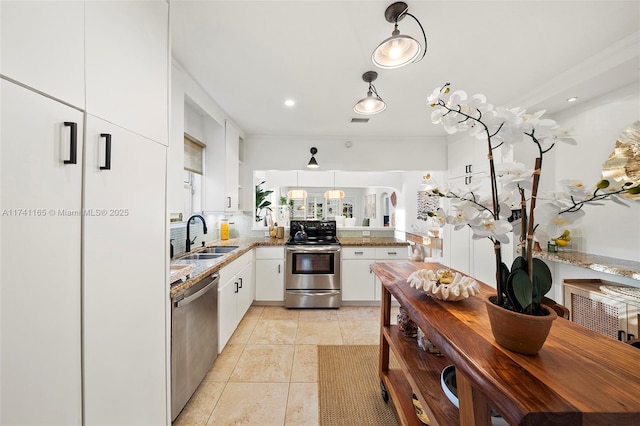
(73, 143)
(107, 150)
(240, 282)
(228, 202)
(236, 283)
(278, 268)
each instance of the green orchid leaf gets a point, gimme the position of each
(504, 276)
(519, 263)
(519, 289)
(542, 280)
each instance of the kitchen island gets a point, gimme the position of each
(578, 377)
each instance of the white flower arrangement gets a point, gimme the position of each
(522, 287)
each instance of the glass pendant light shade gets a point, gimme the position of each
(396, 51)
(399, 50)
(334, 194)
(370, 105)
(297, 194)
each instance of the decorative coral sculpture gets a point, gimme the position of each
(450, 287)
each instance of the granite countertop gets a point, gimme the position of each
(205, 267)
(372, 241)
(610, 265)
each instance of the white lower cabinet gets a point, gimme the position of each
(235, 295)
(359, 283)
(269, 274)
(357, 278)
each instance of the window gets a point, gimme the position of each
(192, 176)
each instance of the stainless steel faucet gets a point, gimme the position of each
(204, 229)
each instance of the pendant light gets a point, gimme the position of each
(297, 194)
(313, 164)
(398, 50)
(370, 104)
(334, 194)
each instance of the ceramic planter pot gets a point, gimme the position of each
(524, 334)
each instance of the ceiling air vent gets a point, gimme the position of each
(359, 120)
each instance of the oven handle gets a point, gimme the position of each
(313, 249)
(314, 292)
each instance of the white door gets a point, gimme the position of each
(125, 286)
(40, 201)
(43, 47)
(127, 64)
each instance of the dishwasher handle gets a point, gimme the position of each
(204, 290)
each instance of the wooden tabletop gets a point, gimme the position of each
(578, 377)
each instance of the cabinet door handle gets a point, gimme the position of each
(236, 283)
(470, 168)
(107, 151)
(278, 268)
(358, 252)
(392, 252)
(73, 143)
(228, 202)
(240, 282)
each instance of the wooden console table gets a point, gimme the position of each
(579, 377)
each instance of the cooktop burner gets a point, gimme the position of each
(313, 232)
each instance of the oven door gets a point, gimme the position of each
(312, 268)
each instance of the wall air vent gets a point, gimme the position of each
(359, 120)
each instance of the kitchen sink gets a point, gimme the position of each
(201, 256)
(219, 249)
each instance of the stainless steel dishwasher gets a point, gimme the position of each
(194, 339)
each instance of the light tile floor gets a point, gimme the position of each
(267, 374)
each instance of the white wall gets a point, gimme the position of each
(610, 230)
(292, 153)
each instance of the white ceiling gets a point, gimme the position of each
(252, 55)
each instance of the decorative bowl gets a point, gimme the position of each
(449, 286)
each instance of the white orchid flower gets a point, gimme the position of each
(552, 222)
(488, 227)
(575, 188)
(440, 217)
(558, 135)
(464, 216)
(512, 175)
(435, 97)
(457, 98)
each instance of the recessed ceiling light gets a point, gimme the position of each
(289, 102)
(572, 99)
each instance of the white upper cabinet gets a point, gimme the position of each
(127, 65)
(42, 46)
(232, 163)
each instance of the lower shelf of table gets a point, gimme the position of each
(419, 374)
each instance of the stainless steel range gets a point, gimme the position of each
(312, 263)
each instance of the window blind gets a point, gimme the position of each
(193, 153)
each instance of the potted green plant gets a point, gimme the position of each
(262, 203)
(520, 288)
